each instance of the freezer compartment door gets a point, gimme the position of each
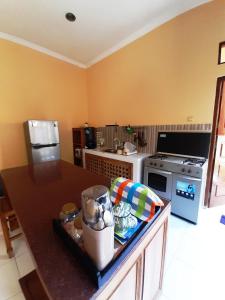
(42, 154)
(43, 132)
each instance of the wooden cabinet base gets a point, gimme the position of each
(32, 287)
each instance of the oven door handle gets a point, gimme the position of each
(191, 178)
(163, 172)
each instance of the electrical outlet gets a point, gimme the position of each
(190, 118)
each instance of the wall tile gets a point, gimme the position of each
(150, 134)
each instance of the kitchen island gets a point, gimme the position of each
(113, 165)
(37, 193)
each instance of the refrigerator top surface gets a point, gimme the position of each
(41, 122)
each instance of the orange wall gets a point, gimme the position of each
(164, 77)
(36, 86)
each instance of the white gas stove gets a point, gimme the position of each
(183, 165)
(176, 177)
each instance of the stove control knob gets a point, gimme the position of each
(151, 163)
(161, 165)
(183, 170)
(155, 164)
(189, 171)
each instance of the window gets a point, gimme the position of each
(221, 57)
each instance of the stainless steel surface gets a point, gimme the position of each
(175, 164)
(45, 153)
(42, 139)
(185, 207)
(184, 172)
(43, 132)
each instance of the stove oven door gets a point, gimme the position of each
(159, 181)
(186, 197)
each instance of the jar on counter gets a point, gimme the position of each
(68, 212)
(123, 217)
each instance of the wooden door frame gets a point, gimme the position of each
(213, 141)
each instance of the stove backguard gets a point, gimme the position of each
(184, 143)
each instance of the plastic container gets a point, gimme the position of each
(98, 225)
(99, 245)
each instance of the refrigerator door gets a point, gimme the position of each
(45, 153)
(43, 132)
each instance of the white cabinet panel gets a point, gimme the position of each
(127, 289)
(152, 266)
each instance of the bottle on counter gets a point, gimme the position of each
(68, 215)
(68, 212)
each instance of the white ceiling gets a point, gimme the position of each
(102, 26)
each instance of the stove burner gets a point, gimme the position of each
(194, 161)
(159, 156)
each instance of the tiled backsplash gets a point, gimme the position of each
(150, 134)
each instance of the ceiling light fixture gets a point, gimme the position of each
(70, 17)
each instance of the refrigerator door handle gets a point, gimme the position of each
(38, 146)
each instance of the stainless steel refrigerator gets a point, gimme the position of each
(42, 139)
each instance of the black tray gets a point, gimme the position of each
(100, 277)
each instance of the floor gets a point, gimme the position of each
(194, 268)
(195, 259)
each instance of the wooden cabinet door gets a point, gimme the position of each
(153, 266)
(221, 121)
(218, 183)
(127, 288)
(78, 145)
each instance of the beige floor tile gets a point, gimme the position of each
(20, 246)
(162, 297)
(195, 269)
(3, 254)
(25, 264)
(19, 296)
(177, 229)
(182, 282)
(9, 285)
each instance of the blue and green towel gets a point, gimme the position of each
(141, 198)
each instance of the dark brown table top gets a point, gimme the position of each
(37, 194)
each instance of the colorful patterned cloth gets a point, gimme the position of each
(143, 200)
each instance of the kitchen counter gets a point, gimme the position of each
(135, 159)
(37, 193)
(129, 158)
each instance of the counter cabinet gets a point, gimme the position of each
(140, 277)
(111, 168)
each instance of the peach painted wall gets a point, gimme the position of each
(164, 77)
(36, 86)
